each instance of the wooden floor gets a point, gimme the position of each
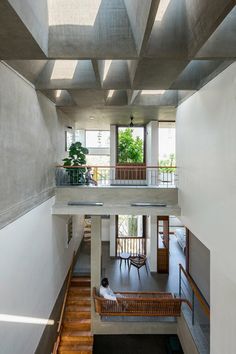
(123, 280)
(76, 334)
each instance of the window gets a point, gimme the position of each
(130, 145)
(68, 140)
(130, 226)
(167, 143)
(97, 138)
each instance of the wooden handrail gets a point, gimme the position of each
(117, 166)
(130, 237)
(56, 345)
(196, 291)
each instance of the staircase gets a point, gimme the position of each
(87, 229)
(76, 337)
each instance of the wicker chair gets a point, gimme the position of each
(138, 262)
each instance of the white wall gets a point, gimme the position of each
(33, 265)
(78, 229)
(152, 151)
(105, 229)
(199, 265)
(152, 143)
(112, 235)
(152, 243)
(113, 145)
(206, 145)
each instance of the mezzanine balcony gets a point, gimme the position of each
(119, 175)
(113, 190)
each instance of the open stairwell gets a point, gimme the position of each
(76, 334)
(87, 229)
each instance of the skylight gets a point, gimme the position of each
(152, 92)
(161, 10)
(110, 93)
(106, 68)
(73, 12)
(58, 93)
(64, 69)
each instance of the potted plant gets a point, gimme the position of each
(77, 157)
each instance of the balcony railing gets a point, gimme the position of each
(125, 175)
(132, 245)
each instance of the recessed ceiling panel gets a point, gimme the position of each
(90, 29)
(68, 74)
(153, 74)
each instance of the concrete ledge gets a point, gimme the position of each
(185, 337)
(102, 327)
(117, 200)
(61, 208)
(19, 209)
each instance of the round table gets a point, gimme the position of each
(124, 256)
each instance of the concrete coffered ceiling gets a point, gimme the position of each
(107, 59)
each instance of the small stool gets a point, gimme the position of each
(124, 256)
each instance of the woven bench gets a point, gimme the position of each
(139, 304)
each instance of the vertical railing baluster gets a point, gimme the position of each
(193, 309)
(180, 280)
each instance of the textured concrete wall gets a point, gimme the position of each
(32, 142)
(206, 159)
(34, 14)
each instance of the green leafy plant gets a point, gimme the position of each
(77, 157)
(130, 148)
(168, 162)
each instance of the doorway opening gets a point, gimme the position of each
(131, 234)
(130, 154)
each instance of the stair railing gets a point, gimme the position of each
(59, 328)
(193, 291)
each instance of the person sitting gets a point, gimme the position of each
(89, 177)
(106, 292)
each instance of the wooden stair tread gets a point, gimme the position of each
(75, 348)
(83, 288)
(85, 278)
(77, 340)
(83, 296)
(82, 283)
(76, 333)
(73, 317)
(79, 308)
(71, 340)
(78, 302)
(72, 299)
(73, 325)
(77, 316)
(79, 291)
